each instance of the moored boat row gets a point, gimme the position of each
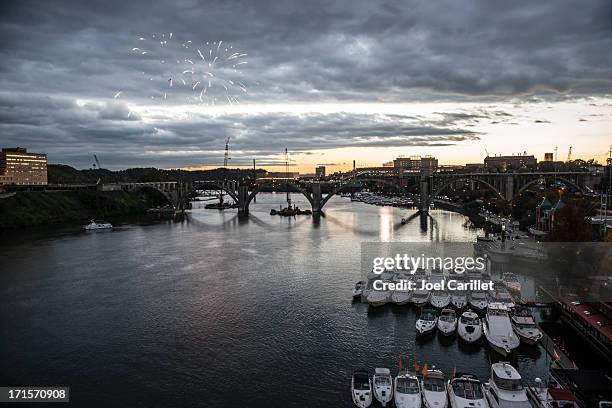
(431, 389)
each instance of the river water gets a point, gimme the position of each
(218, 311)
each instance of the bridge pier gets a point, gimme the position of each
(424, 195)
(243, 195)
(509, 188)
(316, 197)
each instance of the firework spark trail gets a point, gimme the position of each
(215, 72)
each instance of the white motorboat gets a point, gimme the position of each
(440, 299)
(525, 326)
(97, 225)
(426, 323)
(447, 322)
(434, 389)
(459, 299)
(383, 385)
(400, 297)
(420, 297)
(498, 331)
(505, 388)
(378, 297)
(504, 297)
(500, 294)
(358, 290)
(555, 397)
(361, 389)
(478, 300)
(469, 327)
(465, 391)
(512, 282)
(407, 391)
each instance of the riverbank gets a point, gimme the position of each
(32, 209)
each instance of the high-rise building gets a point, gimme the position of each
(407, 163)
(429, 163)
(320, 172)
(21, 168)
(505, 163)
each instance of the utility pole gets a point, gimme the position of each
(254, 180)
(605, 203)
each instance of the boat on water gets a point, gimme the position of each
(358, 289)
(498, 330)
(361, 389)
(447, 322)
(407, 391)
(383, 385)
(400, 297)
(554, 397)
(378, 297)
(505, 388)
(434, 389)
(469, 327)
(512, 282)
(420, 297)
(97, 225)
(290, 211)
(499, 294)
(477, 300)
(440, 299)
(426, 323)
(465, 391)
(459, 299)
(524, 325)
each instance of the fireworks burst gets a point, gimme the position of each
(208, 73)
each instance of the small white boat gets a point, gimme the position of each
(555, 397)
(358, 290)
(498, 331)
(361, 389)
(434, 389)
(426, 323)
(459, 299)
(500, 294)
(420, 297)
(97, 225)
(505, 388)
(440, 299)
(407, 391)
(525, 326)
(400, 297)
(469, 327)
(478, 300)
(447, 322)
(512, 282)
(378, 297)
(383, 385)
(465, 391)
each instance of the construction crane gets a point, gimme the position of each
(97, 162)
(287, 176)
(226, 157)
(569, 155)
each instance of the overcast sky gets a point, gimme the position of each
(332, 80)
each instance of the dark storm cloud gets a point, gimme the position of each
(55, 53)
(63, 128)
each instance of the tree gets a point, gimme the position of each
(570, 225)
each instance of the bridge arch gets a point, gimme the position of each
(219, 186)
(552, 175)
(476, 179)
(349, 182)
(257, 189)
